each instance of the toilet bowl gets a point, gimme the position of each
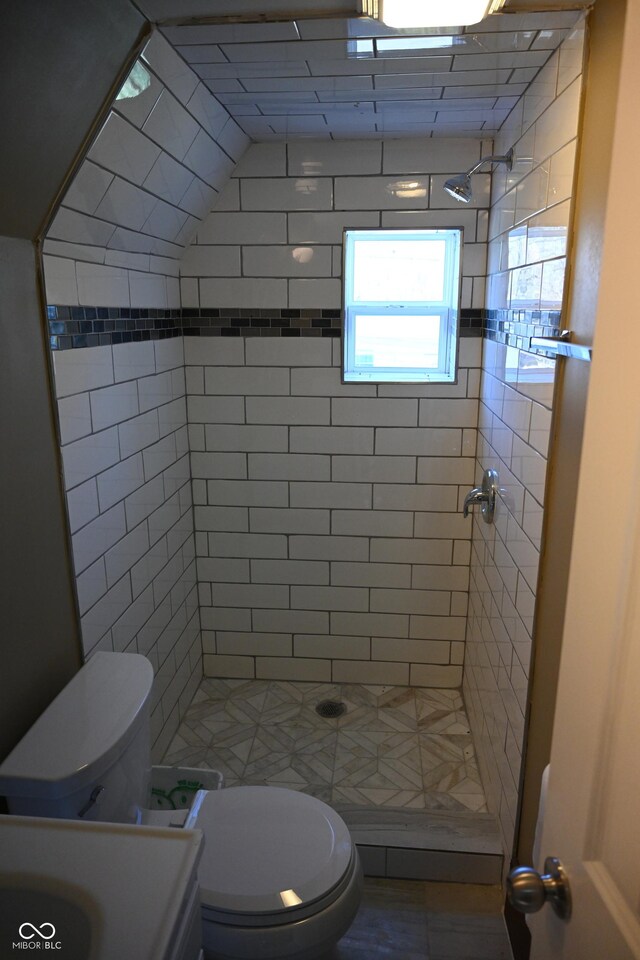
(279, 877)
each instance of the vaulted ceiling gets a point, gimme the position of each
(323, 76)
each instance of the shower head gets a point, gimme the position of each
(459, 187)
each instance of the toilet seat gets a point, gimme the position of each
(272, 856)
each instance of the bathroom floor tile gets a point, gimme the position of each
(230, 762)
(473, 801)
(417, 920)
(231, 709)
(297, 738)
(481, 938)
(435, 800)
(379, 797)
(441, 697)
(391, 924)
(278, 707)
(185, 739)
(188, 756)
(378, 760)
(177, 747)
(432, 719)
(362, 742)
(224, 732)
(277, 768)
(394, 746)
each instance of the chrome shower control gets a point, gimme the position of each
(485, 495)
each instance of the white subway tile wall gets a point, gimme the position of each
(151, 176)
(320, 554)
(276, 241)
(329, 543)
(530, 204)
(528, 229)
(310, 479)
(123, 422)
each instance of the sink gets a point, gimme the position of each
(98, 891)
(40, 914)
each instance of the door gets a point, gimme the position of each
(592, 820)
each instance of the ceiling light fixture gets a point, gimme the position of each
(429, 13)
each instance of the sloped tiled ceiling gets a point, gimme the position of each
(354, 78)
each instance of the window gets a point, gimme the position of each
(401, 293)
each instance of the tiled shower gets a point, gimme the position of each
(233, 506)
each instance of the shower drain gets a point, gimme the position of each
(331, 708)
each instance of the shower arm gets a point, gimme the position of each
(496, 158)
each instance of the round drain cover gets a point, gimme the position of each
(331, 708)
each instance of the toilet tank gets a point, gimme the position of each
(88, 756)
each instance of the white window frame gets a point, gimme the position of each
(446, 309)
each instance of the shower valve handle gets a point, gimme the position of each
(477, 495)
(484, 495)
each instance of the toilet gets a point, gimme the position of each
(279, 877)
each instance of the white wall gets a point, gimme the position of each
(528, 229)
(39, 645)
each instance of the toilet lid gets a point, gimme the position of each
(268, 849)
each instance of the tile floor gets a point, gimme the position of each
(413, 920)
(394, 746)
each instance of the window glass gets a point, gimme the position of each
(401, 294)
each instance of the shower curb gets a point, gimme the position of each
(444, 846)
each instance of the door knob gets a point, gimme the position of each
(528, 891)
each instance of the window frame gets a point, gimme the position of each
(448, 312)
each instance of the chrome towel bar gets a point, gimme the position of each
(560, 347)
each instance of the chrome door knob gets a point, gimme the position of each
(528, 891)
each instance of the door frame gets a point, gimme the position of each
(603, 50)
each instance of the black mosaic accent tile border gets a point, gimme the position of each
(471, 322)
(73, 327)
(516, 327)
(244, 322)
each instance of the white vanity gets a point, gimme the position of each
(99, 891)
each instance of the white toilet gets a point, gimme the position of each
(280, 877)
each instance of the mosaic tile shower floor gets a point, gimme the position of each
(394, 746)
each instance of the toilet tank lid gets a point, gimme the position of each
(82, 731)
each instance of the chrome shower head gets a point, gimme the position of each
(459, 187)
